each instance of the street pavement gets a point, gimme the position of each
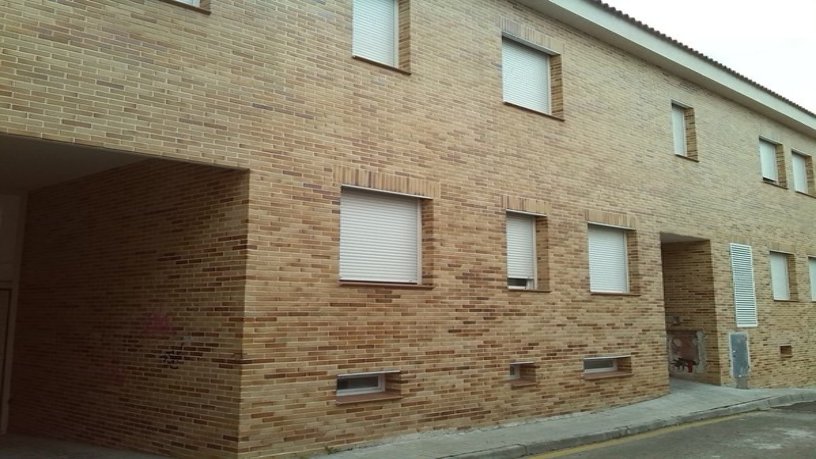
(687, 402)
(781, 433)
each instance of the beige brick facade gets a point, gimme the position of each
(256, 321)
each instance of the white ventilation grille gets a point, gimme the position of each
(742, 270)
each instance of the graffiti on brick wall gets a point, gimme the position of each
(160, 324)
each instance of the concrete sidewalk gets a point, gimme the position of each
(687, 402)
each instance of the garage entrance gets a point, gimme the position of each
(124, 276)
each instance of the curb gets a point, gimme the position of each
(533, 447)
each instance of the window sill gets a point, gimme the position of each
(189, 7)
(614, 294)
(785, 301)
(687, 158)
(522, 383)
(378, 64)
(362, 398)
(527, 290)
(343, 283)
(776, 184)
(607, 375)
(806, 194)
(547, 115)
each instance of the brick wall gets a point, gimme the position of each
(128, 328)
(271, 86)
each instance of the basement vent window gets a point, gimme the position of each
(360, 387)
(202, 6)
(786, 350)
(607, 367)
(522, 374)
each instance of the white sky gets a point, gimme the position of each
(770, 42)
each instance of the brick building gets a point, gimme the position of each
(252, 228)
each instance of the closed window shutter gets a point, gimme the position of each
(812, 265)
(525, 76)
(742, 271)
(608, 271)
(779, 276)
(520, 246)
(800, 179)
(375, 30)
(379, 237)
(767, 154)
(679, 130)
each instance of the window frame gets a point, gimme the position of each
(679, 110)
(549, 56)
(379, 388)
(812, 275)
(626, 262)
(620, 366)
(778, 172)
(605, 369)
(780, 260)
(418, 241)
(394, 56)
(532, 282)
(807, 165)
(521, 373)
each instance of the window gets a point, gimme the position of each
(769, 162)
(608, 261)
(780, 280)
(368, 387)
(379, 237)
(683, 131)
(812, 268)
(525, 76)
(522, 373)
(801, 178)
(376, 31)
(601, 367)
(598, 365)
(190, 2)
(521, 251)
(742, 271)
(679, 130)
(358, 384)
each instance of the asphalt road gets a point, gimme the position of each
(783, 433)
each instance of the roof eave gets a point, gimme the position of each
(603, 22)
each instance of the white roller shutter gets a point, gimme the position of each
(767, 155)
(375, 30)
(742, 271)
(679, 130)
(812, 265)
(521, 246)
(779, 276)
(379, 237)
(525, 76)
(800, 176)
(608, 266)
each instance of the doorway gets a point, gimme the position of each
(689, 297)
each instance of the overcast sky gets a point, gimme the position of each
(770, 42)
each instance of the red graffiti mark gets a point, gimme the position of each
(158, 324)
